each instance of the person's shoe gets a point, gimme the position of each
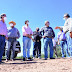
(63, 56)
(6, 60)
(24, 59)
(52, 58)
(2, 62)
(29, 58)
(39, 57)
(45, 59)
(33, 57)
(12, 59)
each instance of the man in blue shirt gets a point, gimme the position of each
(48, 34)
(62, 40)
(13, 34)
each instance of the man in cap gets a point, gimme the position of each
(3, 34)
(37, 43)
(13, 34)
(48, 34)
(27, 33)
(68, 23)
(67, 26)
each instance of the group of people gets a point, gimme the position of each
(11, 34)
(8, 35)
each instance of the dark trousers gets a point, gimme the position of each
(37, 48)
(2, 44)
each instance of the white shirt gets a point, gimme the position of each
(70, 29)
(67, 25)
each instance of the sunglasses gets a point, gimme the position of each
(3, 15)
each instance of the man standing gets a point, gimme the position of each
(48, 34)
(27, 33)
(62, 40)
(67, 25)
(3, 34)
(37, 43)
(13, 34)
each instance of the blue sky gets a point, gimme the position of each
(36, 11)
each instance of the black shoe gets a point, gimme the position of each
(45, 59)
(29, 58)
(2, 62)
(24, 59)
(52, 58)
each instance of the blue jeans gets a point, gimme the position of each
(70, 46)
(10, 42)
(26, 46)
(48, 41)
(37, 48)
(2, 44)
(64, 43)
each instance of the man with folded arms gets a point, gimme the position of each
(27, 33)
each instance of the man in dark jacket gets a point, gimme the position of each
(37, 43)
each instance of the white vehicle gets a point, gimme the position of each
(17, 49)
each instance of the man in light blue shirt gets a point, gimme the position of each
(62, 40)
(13, 34)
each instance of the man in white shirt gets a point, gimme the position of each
(67, 26)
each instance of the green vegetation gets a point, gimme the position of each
(42, 55)
(58, 48)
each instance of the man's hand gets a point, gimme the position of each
(43, 36)
(71, 34)
(58, 42)
(30, 36)
(57, 27)
(16, 37)
(6, 38)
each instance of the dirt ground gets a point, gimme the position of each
(38, 65)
